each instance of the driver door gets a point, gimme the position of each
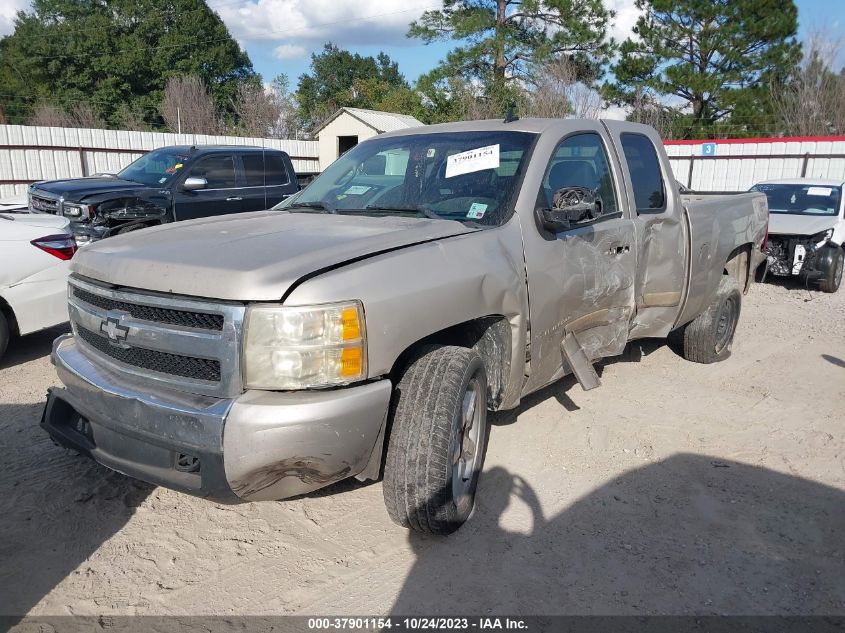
(221, 194)
(581, 279)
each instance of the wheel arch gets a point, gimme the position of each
(738, 266)
(489, 335)
(11, 319)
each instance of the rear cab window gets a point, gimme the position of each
(253, 163)
(276, 170)
(644, 168)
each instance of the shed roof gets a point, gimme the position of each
(379, 121)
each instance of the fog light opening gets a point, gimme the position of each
(187, 463)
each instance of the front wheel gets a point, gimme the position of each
(437, 441)
(833, 276)
(709, 337)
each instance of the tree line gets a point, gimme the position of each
(693, 69)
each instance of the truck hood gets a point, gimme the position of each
(249, 256)
(790, 224)
(77, 189)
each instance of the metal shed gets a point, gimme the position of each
(349, 126)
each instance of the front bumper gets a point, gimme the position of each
(258, 446)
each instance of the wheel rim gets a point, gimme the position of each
(466, 445)
(726, 324)
(839, 266)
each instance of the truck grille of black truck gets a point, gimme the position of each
(154, 314)
(152, 360)
(44, 205)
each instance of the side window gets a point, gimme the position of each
(218, 170)
(581, 161)
(388, 163)
(644, 167)
(253, 169)
(277, 173)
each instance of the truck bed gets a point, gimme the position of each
(719, 222)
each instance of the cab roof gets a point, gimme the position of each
(197, 149)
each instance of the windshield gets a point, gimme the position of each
(465, 176)
(801, 199)
(156, 168)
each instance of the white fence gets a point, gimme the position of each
(737, 164)
(31, 153)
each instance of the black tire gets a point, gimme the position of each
(833, 278)
(5, 334)
(428, 485)
(709, 337)
(130, 228)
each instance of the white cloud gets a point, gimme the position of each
(289, 51)
(626, 17)
(614, 112)
(8, 11)
(309, 23)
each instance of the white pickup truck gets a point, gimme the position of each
(426, 277)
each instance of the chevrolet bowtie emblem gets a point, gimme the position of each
(112, 328)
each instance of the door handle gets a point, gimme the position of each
(618, 249)
(234, 199)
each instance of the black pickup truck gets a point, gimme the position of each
(166, 185)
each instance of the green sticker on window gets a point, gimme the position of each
(477, 210)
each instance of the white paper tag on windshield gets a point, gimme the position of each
(357, 190)
(819, 191)
(473, 160)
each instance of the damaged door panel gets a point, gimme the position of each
(581, 277)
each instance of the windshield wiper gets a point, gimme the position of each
(421, 210)
(322, 206)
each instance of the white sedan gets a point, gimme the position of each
(34, 259)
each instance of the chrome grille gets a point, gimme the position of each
(199, 320)
(177, 342)
(161, 362)
(43, 204)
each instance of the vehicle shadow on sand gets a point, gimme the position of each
(559, 390)
(56, 510)
(23, 349)
(690, 534)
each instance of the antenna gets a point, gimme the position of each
(511, 114)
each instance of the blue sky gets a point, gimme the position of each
(280, 35)
(361, 31)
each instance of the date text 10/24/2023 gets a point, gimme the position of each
(416, 624)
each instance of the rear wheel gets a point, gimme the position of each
(5, 333)
(833, 277)
(437, 441)
(709, 337)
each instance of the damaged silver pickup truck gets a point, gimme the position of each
(367, 326)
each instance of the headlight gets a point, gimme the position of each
(297, 347)
(76, 210)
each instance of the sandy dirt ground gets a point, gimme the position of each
(675, 488)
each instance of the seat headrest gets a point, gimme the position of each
(572, 173)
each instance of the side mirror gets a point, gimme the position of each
(571, 206)
(194, 184)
